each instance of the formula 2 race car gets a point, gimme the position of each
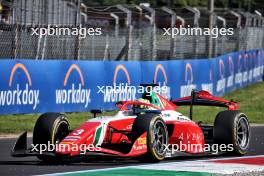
(147, 129)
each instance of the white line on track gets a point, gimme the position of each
(186, 163)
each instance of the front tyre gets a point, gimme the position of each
(157, 136)
(232, 127)
(50, 128)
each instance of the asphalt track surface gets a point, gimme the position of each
(32, 166)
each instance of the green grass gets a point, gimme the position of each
(251, 101)
(26, 122)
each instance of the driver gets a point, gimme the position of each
(143, 101)
(151, 98)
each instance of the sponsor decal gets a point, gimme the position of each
(140, 147)
(209, 86)
(123, 68)
(239, 75)
(119, 91)
(250, 71)
(165, 93)
(75, 94)
(191, 136)
(142, 141)
(172, 149)
(245, 73)
(257, 66)
(230, 78)
(19, 94)
(78, 132)
(221, 84)
(187, 88)
(128, 127)
(71, 138)
(67, 142)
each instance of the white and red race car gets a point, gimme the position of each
(147, 130)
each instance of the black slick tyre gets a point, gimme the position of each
(232, 127)
(50, 128)
(157, 136)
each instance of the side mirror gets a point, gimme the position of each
(95, 111)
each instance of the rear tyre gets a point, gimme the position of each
(157, 136)
(50, 128)
(232, 127)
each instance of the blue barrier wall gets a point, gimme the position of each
(28, 86)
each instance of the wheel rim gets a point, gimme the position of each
(160, 137)
(242, 133)
(62, 132)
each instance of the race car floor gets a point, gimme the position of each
(32, 166)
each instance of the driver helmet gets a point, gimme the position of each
(143, 101)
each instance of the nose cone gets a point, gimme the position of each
(79, 140)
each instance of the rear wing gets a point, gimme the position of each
(204, 98)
